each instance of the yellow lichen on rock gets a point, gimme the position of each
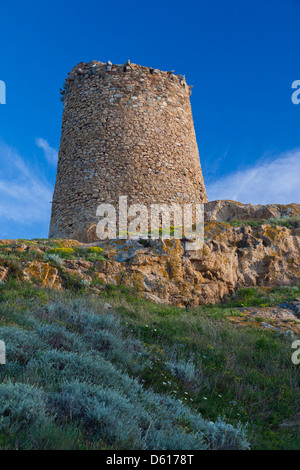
(69, 243)
(231, 257)
(3, 273)
(43, 272)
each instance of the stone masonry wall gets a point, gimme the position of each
(127, 130)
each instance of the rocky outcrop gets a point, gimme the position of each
(44, 273)
(230, 258)
(283, 318)
(226, 211)
(3, 273)
(163, 270)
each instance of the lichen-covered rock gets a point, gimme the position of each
(279, 318)
(69, 243)
(43, 272)
(230, 258)
(3, 273)
(163, 270)
(226, 211)
(78, 268)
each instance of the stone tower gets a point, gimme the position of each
(127, 130)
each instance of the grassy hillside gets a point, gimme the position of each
(93, 366)
(81, 375)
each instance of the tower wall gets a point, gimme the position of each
(127, 130)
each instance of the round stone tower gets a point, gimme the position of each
(127, 130)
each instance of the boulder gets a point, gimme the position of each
(226, 211)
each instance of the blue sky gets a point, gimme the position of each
(240, 56)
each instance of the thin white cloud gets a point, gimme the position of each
(25, 194)
(267, 182)
(50, 153)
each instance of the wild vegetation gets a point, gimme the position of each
(113, 371)
(289, 222)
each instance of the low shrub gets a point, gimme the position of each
(58, 337)
(145, 420)
(183, 370)
(21, 406)
(54, 258)
(21, 345)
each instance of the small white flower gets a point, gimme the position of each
(204, 398)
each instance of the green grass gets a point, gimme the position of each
(147, 354)
(74, 379)
(194, 362)
(245, 374)
(262, 297)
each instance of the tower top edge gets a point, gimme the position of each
(94, 67)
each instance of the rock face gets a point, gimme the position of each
(230, 258)
(3, 273)
(284, 317)
(43, 272)
(226, 211)
(163, 271)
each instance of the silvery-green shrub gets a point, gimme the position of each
(21, 405)
(20, 344)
